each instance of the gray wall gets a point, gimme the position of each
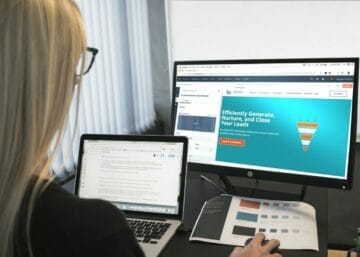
(159, 54)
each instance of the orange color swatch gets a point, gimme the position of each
(249, 204)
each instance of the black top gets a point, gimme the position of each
(65, 226)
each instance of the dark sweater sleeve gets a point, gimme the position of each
(114, 245)
(66, 226)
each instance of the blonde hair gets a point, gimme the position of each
(40, 45)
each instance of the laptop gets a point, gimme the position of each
(142, 175)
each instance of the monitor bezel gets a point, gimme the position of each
(345, 184)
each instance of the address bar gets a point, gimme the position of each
(249, 71)
(304, 73)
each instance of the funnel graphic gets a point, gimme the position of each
(307, 131)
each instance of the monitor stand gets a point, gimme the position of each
(260, 193)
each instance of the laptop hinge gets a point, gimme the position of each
(144, 217)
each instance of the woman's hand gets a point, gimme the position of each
(256, 248)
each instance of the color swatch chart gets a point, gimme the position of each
(291, 222)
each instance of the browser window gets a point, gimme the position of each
(252, 115)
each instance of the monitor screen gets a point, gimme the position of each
(290, 120)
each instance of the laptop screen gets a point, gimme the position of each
(141, 176)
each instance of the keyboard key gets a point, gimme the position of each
(148, 231)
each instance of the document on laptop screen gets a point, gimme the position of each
(134, 175)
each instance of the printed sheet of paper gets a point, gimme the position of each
(232, 220)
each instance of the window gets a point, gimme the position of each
(117, 94)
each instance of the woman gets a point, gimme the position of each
(41, 44)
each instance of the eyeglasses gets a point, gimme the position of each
(91, 53)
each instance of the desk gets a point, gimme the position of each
(198, 191)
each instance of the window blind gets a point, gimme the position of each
(117, 95)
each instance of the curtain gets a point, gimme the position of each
(117, 94)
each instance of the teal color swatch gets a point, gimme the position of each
(247, 216)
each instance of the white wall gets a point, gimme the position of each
(218, 29)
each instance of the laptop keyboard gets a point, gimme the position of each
(148, 231)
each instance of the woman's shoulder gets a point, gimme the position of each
(72, 226)
(56, 204)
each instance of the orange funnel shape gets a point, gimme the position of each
(306, 131)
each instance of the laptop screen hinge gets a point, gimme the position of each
(144, 217)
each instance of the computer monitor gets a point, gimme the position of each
(289, 120)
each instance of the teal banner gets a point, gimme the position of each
(309, 135)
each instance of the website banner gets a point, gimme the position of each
(308, 135)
